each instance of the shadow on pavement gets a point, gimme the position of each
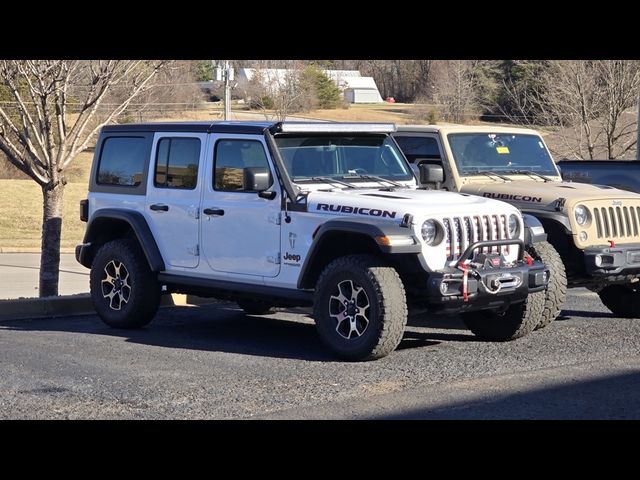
(611, 397)
(567, 314)
(224, 327)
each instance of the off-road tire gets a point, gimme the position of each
(517, 321)
(386, 314)
(622, 300)
(556, 291)
(143, 295)
(255, 307)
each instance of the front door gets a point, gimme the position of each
(173, 195)
(240, 230)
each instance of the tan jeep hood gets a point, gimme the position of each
(535, 194)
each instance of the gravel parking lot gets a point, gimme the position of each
(216, 362)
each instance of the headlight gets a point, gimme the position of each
(514, 226)
(582, 214)
(429, 232)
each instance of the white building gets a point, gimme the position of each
(354, 87)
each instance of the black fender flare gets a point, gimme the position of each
(362, 227)
(533, 230)
(138, 225)
(557, 217)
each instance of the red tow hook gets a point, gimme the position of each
(465, 277)
(528, 259)
(612, 244)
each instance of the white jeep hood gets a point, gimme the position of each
(384, 204)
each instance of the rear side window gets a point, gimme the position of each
(177, 163)
(122, 161)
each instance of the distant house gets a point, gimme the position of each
(354, 87)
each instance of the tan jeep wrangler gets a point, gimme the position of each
(592, 230)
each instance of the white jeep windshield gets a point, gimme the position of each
(500, 153)
(342, 157)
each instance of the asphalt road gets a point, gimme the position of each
(215, 362)
(19, 275)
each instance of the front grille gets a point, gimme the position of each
(460, 232)
(616, 222)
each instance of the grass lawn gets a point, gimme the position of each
(21, 214)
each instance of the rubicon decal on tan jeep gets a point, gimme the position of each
(516, 198)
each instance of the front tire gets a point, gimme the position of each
(622, 300)
(360, 307)
(517, 321)
(556, 290)
(124, 290)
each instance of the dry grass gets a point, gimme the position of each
(21, 214)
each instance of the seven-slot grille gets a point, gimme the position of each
(460, 232)
(616, 222)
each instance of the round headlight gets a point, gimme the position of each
(514, 226)
(429, 231)
(582, 214)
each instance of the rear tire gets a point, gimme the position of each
(360, 307)
(124, 290)
(517, 321)
(622, 300)
(255, 307)
(556, 290)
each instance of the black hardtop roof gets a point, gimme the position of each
(204, 127)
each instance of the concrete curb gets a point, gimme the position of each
(65, 250)
(71, 305)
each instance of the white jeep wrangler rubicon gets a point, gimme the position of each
(299, 214)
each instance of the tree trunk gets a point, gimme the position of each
(51, 232)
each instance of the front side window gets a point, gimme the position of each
(234, 159)
(418, 148)
(122, 161)
(500, 153)
(308, 157)
(177, 163)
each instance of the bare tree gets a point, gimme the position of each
(280, 92)
(57, 108)
(586, 105)
(455, 88)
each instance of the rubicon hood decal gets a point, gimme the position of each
(374, 212)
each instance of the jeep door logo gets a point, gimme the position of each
(291, 259)
(374, 212)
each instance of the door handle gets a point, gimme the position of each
(213, 211)
(158, 207)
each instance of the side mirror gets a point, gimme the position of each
(256, 179)
(430, 173)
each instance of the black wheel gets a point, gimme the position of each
(360, 307)
(556, 290)
(622, 300)
(255, 307)
(517, 321)
(124, 291)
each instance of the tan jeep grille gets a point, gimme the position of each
(460, 232)
(616, 222)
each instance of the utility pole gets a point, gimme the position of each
(224, 73)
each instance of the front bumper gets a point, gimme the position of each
(619, 260)
(487, 287)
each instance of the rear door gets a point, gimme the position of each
(173, 196)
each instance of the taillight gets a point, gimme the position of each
(84, 210)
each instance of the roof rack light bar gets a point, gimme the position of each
(329, 127)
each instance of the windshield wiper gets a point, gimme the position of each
(531, 173)
(491, 174)
(332, 180)
(373, 177)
